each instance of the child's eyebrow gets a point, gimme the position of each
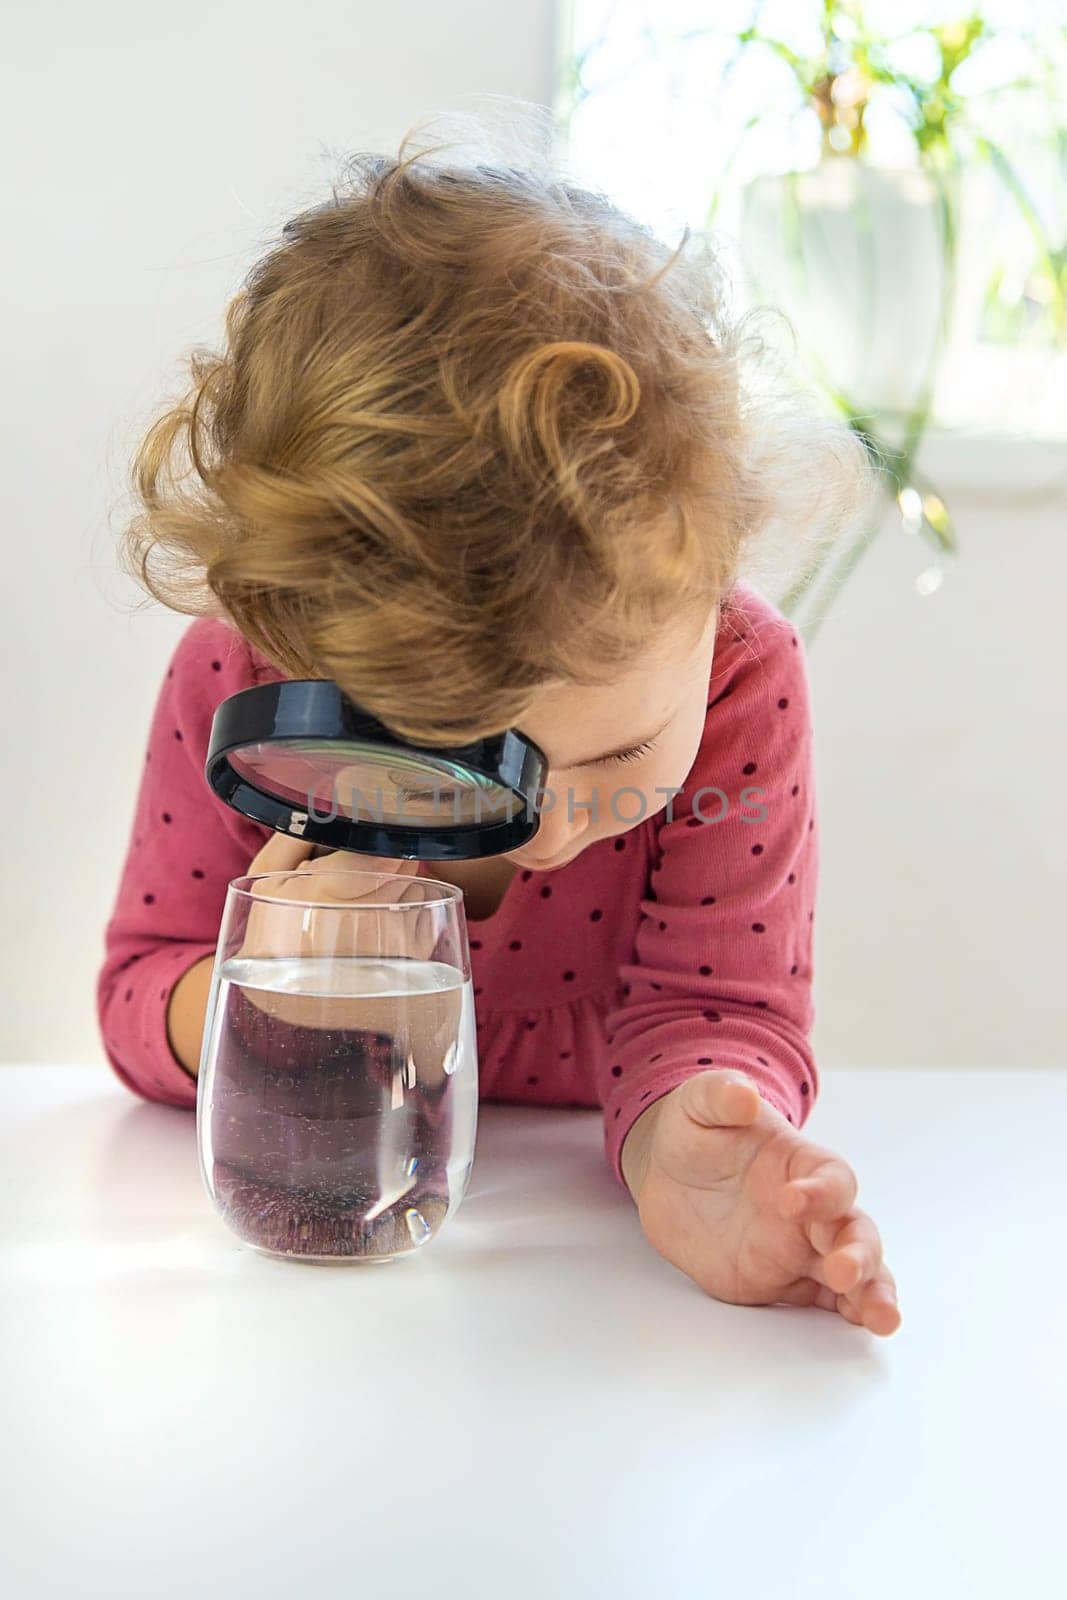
(622, 749)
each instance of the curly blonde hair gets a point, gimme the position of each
(474, 432)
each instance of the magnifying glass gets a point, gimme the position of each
(304, 759)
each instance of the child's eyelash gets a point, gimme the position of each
(637, 751)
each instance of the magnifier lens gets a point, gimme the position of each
(363, 781)
(301, 757)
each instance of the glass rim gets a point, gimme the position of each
(451, 895)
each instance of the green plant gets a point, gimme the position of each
(838, 82)
(917, 75)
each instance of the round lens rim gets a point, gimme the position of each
(316, 708)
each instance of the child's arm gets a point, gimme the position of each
(187, 1013)
(187, 1006)
(187, 1010)
(185, 846)
(722, 971)
(717, 1072)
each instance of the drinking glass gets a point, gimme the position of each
(337, 1100)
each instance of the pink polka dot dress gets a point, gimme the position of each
(680, 945)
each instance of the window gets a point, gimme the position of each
(685, 118)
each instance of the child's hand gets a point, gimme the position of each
(732, 1194)
(337, 928)
(284, 853)
(335, 882)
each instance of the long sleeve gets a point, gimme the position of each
(185, 846)
(722, 974)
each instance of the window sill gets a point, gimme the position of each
(962, 463)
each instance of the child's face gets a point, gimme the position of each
(592, 801)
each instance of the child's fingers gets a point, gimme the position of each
(337, 876)
(822, 1195)
(723, 1098)
(374, 926)
(853, 1255)
(871, 1305)
(878, 1304)
(810, 1292)
(807, 1292)
(281, 853)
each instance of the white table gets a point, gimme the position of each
(538, 1406)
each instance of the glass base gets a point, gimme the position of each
(329, 1261)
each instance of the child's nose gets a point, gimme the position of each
(558, 834)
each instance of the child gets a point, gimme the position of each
(478, 449)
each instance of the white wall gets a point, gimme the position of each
(942, 770)
(152, 150)
(149, 150)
